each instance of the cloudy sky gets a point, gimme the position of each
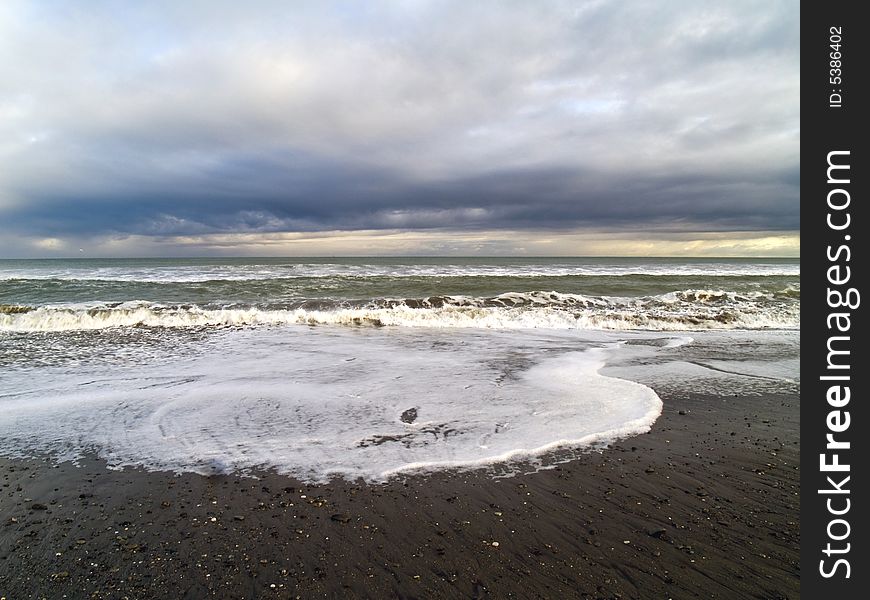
(315, 128)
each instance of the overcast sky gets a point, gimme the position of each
(268, 128)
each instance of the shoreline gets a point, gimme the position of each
(704, 505)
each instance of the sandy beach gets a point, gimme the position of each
(704, 506)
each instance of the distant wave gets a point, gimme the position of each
(682, 310)
(276, 272)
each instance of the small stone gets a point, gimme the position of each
(409, 416)
(656, 532)
(239, 517)
(681, 412)
(341, 518)
(81, 542)
(38, 506)
(495, 544)
(626, 541)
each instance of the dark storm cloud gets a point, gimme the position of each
(214, 117)
(252, 197)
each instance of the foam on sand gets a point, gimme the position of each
(350, 403)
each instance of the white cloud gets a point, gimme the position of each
(422, 243)
(116, 101)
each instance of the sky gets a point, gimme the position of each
(214, 127)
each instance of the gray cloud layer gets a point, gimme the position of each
(160, 120)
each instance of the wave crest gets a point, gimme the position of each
(685, 310)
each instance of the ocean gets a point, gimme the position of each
(375, 367)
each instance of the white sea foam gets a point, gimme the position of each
(687, 310)
(331, 402)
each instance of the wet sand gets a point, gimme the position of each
(704, 506)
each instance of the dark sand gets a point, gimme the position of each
(704, 506)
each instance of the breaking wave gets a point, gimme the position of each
(682, 310)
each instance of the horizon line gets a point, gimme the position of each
(342, 256)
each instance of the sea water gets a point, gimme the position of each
(374, 367)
